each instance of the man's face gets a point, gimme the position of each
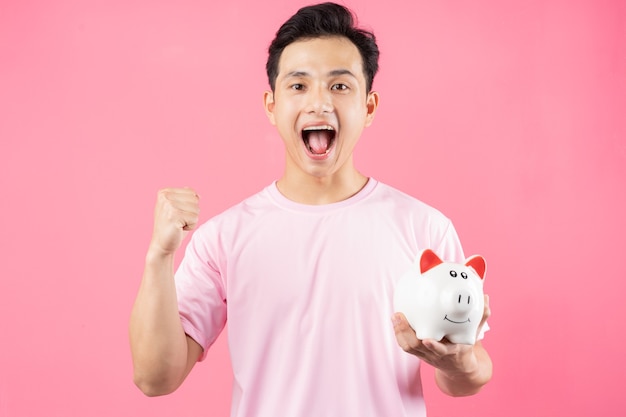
(320, 104)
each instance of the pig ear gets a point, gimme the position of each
(478, 263)
(428, 260)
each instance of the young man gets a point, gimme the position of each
(304, 271)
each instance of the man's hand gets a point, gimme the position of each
(176, 213)
(462, 369)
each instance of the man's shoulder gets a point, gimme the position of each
(402, 200)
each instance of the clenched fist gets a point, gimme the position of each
(175, 214)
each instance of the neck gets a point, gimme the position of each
(306, 189)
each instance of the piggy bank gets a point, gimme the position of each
(442, 299)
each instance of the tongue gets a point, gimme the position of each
(318, 142)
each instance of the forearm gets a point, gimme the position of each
(157, 339)
(469, 381)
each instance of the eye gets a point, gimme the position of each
(339, 86)
(453, 274)
(464, 275)
(297, 86)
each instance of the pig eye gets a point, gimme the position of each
(464, 275)
(453, 274)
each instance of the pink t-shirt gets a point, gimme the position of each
(308, 292)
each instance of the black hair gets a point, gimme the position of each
(321, 20)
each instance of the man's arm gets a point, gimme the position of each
(163, 355)
(461, 370)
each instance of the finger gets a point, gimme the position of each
(185, 191)
(433, 347)
(487, 309)
(402, 329)
(185, 207)
(180, 190)
(486, 314)
(405, 335)
(191, 190)
(184, 216)
(178, 194)
(400, 323)
(190, 224)
(175, 200)
(187, 194)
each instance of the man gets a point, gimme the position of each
(304, 271)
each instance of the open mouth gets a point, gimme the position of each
(318, 139)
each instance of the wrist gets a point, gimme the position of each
(472, 372)
(158, 256)
(461, 374)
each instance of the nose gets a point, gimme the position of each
(319, 101)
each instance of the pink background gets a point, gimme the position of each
(507, 116)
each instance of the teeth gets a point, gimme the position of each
(326, 127)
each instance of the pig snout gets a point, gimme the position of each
(458, 303)
(462, 301)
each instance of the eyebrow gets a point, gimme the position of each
(338, 72)
(333, 73)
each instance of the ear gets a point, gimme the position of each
(477, 263)
(372, 105)
(268, 103)
(428, 260)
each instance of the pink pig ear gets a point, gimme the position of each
(428, 260)
(478, 263)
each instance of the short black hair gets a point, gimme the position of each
(322, 20)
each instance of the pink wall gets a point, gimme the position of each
(508, 116)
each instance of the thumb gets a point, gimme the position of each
(486, 315)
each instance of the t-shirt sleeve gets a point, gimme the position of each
(200, 291)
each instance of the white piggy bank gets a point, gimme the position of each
(443, 299)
